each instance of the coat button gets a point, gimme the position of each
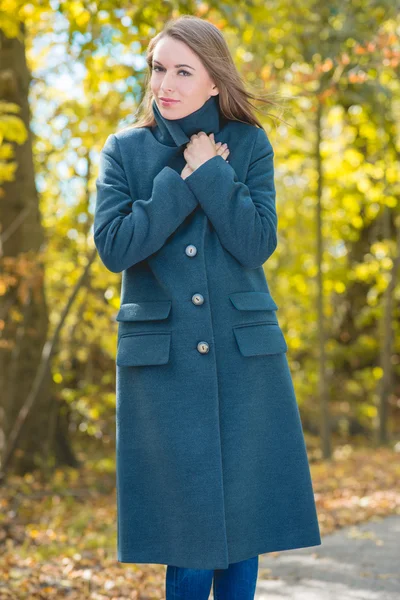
(191, 250)
(203, 347)
(197, 299)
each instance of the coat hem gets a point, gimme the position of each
(127, 557)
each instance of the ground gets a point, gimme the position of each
(360, 562)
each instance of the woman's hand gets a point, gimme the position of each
(222, 149)
(216, 149)
(186, 171)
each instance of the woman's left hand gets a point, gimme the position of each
(200, 149)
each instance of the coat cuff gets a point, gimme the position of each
(178, 192)
(203, 182)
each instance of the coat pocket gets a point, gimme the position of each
(253, 301)
(256, 339)
(140, 349)
(144, 311)
(249, 302)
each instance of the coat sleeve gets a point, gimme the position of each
(242, 214)
(126, 231)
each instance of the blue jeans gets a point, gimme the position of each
(237, 582)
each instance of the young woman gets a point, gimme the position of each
(212, 468)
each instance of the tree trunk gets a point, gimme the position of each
(322, 383)
(23, 308)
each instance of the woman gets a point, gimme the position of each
(212, 467)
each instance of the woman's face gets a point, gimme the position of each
(190, 84)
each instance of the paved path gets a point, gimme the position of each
(355, 563)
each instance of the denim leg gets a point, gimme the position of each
(237, 582)
(187, 584)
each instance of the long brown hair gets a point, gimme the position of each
(206, 40)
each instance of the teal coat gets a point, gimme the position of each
(211, 461)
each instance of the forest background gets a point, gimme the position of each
(71, 73)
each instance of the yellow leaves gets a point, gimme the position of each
(363, 184)
(380, 249)
(94, 413)
(370, 411)
(13, 128)
(356, 486)
(372, 210)
(377, 373)
(9, 107)
(392, 173)
(350, 202)
(81, 354)
(67, 534)
(353, 157)
(6, 151)
(279, 63)
(109, 399)
(365, 271)
(10, 22)
(78, 12)
(387, 263)
(33, 533)
(368, 130)
(300, 284)
(339, 287)
(294, 341)
(357, 222)
(114, 302)
(83, 18)
(390, 201)
(7, 172)
(266, 72)
(247, 35)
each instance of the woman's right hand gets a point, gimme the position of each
(186, 171)
(221, 150)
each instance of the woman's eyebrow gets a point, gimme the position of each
(176, 66)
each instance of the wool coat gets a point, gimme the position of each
(211, 463)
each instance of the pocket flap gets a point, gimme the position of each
(138, 349)
(253, 301)
(144, 311)
(260, 338)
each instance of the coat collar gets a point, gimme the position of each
(178, 131)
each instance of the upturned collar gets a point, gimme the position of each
(177, 132)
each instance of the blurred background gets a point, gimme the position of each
(71, 73)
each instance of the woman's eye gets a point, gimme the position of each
(162, 69)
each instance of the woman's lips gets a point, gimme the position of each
(168, 102)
